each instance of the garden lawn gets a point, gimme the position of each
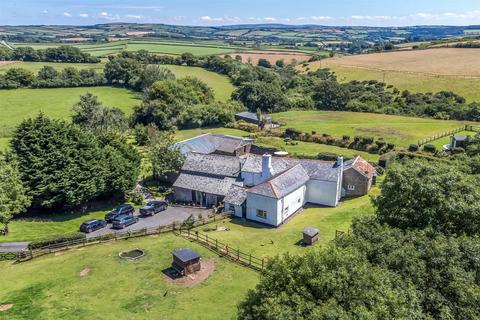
(220, 84)
(19, 104)
(313, 149)
(263, 241)
(36, 66)
(4, 143)
(190, 133)
(51, 287)
(399, 130)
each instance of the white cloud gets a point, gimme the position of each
(104, 14)
(133, 16)
(45, 11)
(206, 18)
(67, 14)
(83, 15)
(269, 19)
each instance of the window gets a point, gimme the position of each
(262, 214)
(299, 200)
(285, 210)
(351, 187)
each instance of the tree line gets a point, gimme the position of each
(68, 54)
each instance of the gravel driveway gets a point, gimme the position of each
(172, 214)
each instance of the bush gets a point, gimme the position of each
(413, 148)
(457, 150)
(387, 159)
(429, 148)
(292, 132)
(327, 156)
(56, 239)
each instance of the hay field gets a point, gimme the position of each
(271, 56)
(444, 62)
(433, 70)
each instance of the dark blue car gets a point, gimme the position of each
(153, 207)
(121, 210)
(123, 221)
(92, 225)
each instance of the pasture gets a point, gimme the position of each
(177, 48)
(220, 84)
(272, 56)
(432, 70)
(17, 105)
(79, 284)
(399, 130)
(36, 66)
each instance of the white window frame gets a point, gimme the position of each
(261, 214)
(351, 187)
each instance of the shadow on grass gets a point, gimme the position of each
(250, 224)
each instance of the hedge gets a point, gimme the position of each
(56, 239)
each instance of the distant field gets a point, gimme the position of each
(36, 66)
(399, 130)
(431, 70)
(16, 105)
(271, 56)
(176, 49)
(221, 85)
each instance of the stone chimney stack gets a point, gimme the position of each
(267, 170)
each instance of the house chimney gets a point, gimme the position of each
(339, 161)
(267, 170)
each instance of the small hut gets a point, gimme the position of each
(310, 236)
(186, 261)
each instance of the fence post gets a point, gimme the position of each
(263, 261)
(188, 233)
(238, 254)
(216, 244)
(196, 232)
(250, 260)
(206, 237)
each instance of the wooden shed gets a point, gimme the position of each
(310, 236)
(186, 261)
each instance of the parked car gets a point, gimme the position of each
(124, 209)
(92, 225)
(153, 207)
(123, 221)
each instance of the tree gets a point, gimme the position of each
(165, 158)
(280, 63)
(154, 73)
(330, 95)
(59, 163)
(89, 113)
(337, 283)
(266, 96)
(13, 195)
(122, 71)
(418, 194)
(264, 63)
(22, 77)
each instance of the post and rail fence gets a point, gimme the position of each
(114, 236)
(223, 249)
(445, 134)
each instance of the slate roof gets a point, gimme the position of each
(209, 143)
(310, 231)
(461, 138)
(316, 169)
(212, 164)
(251, 116)
(283, 183)
(186, 255)
(204, 183)
(236, 195)
(362, 166)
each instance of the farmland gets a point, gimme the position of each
(272, 56)
(19, 104)
(431, 70)
(79, 285)
(394, 129)
(36, 66)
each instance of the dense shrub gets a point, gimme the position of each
(430, 148)
(37, 244)
(413, 148)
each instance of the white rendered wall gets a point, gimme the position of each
(291, 203)
(325, 193)
(255, 201)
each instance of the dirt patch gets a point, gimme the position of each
(208, 267)
(5, 307)
(59, 253)
(272, 56)
(440, 62)
(85, 271)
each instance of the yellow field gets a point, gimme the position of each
(272, 56)
(433, 70)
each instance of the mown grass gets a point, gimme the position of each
(264, 242)
(221, 85)
(439, 143)
(468, 88)
(190, 133)
(19, 104)
(399, 130)
(313, 149)
(4, 143)
(36, 66)
(51, 287)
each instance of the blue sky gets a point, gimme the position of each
(224, 12)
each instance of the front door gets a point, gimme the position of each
(244, 211)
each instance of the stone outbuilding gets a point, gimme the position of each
(358, 177)
(186, 261)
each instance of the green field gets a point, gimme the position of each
(399, 130)
(36, 66)
(177, 49)
(263, 241)
(220, 84)
(190, 133)
(312, 149)
(52, 287)
(468, 88)
(16, 105)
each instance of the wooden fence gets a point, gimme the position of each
(223, 249)
(52, 248)
(442, 135)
